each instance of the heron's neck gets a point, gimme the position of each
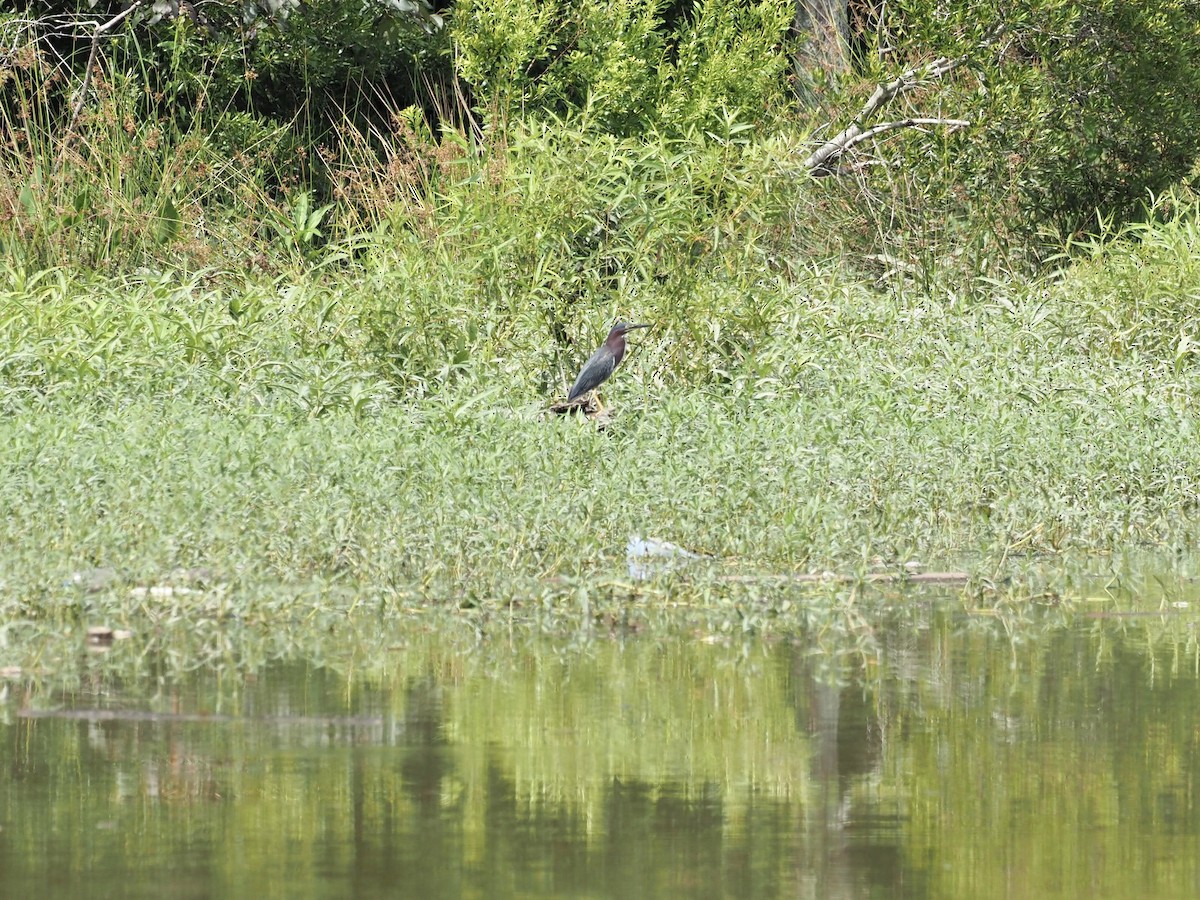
(616, 346)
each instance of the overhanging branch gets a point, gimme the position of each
(99, 32)
(823, 161)
(912, 122)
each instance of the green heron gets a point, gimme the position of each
(603, 362)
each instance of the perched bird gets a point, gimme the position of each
(603, 362)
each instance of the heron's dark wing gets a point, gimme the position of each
(595, 371)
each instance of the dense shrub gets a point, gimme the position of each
(623, 63)
(545, 244)
(235, 125)
(1078, 111)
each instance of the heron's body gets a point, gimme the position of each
(603, 362)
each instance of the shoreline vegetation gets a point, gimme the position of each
(215, 357)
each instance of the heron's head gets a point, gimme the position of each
(621, 328)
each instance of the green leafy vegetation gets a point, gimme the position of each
(313, 343)
(161, 424)
(287, 290)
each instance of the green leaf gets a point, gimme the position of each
(167, 226)
(28, 201)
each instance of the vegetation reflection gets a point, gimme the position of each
(961, 759)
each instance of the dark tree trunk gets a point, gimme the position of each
(822, 28)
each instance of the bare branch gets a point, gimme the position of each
(100, 31)
(905, 82)
(819, 163)
(912, 122)
(823, 159)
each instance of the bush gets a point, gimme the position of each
(1137, 288)
(623, 63)
(1119, 119)
(544, 244)
(1076, 110)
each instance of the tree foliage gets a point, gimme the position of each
(1078, 108)
(630, 64)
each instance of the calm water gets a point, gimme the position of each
(957, 757)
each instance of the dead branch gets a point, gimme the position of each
(913, 122)
(101, 29)
(819, 163)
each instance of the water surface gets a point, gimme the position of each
(957, 757)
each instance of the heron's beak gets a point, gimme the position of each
(631, 327)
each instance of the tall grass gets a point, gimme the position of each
(115, 187)
(472, 238)
(1138, 287)
(563, 228)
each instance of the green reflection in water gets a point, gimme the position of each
(962, 761)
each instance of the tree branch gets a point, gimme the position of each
(823, 159)
(820, 162)
(100, 31)
(912, 122)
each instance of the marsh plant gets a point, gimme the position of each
(312, 346)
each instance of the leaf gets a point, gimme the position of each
(28, 201)
(166, 227)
